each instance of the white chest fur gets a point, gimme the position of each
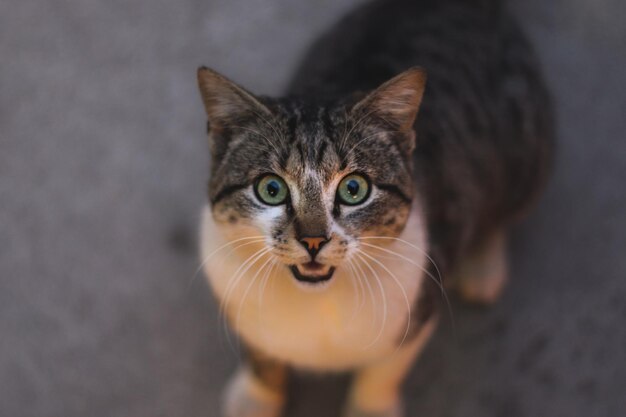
(359, 317)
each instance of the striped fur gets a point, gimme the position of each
(445, 185)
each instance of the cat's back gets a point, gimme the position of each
(385, 37)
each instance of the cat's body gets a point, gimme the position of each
(324, 222)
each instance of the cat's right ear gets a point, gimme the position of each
(225, 102)
(396, 102)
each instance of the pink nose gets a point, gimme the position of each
(314, 243)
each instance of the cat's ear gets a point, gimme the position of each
(225, 102)
(397, 101)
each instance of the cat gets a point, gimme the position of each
(337, 215)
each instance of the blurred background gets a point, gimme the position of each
(103, 166)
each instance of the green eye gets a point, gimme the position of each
(272, 190)
(353, 189)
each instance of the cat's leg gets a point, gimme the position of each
(376, 389)
(258, 388)
(482, 274)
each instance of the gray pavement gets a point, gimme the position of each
(103, 166)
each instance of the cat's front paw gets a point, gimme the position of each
(247, 397)
(355, 411)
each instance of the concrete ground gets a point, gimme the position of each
(103, 165)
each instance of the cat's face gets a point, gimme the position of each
(311, 179)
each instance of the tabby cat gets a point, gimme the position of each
(338, 216)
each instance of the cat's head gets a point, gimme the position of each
(312, 179)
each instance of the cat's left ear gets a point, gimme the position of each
(396, 102)
(224, 101)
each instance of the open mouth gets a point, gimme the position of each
(312, 272)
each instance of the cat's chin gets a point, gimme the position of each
(316, 277)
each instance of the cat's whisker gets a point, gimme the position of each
(386, 256)
(249, 287)
(363, 140)
(360, 278)
(239, 273)
(356, 300)
(439, 282)
(233, 283)
(406, 242)
(232, 250)
(357, 293)
(406, 297)
(223, 316)
(354, 126)
(369, 288)
(252, 242)
(256, 132)
(384, 299)
(405, 258)
(210, 255)
(271, 125)
(265, 279)
(272, 286)
(358, 143)
(268, 276)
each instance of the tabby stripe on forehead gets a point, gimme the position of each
(395, 190)
(292, 124)
(301, 153)
(320, 153)
(226, 191)
(328, 125)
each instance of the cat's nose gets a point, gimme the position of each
(313, 244)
